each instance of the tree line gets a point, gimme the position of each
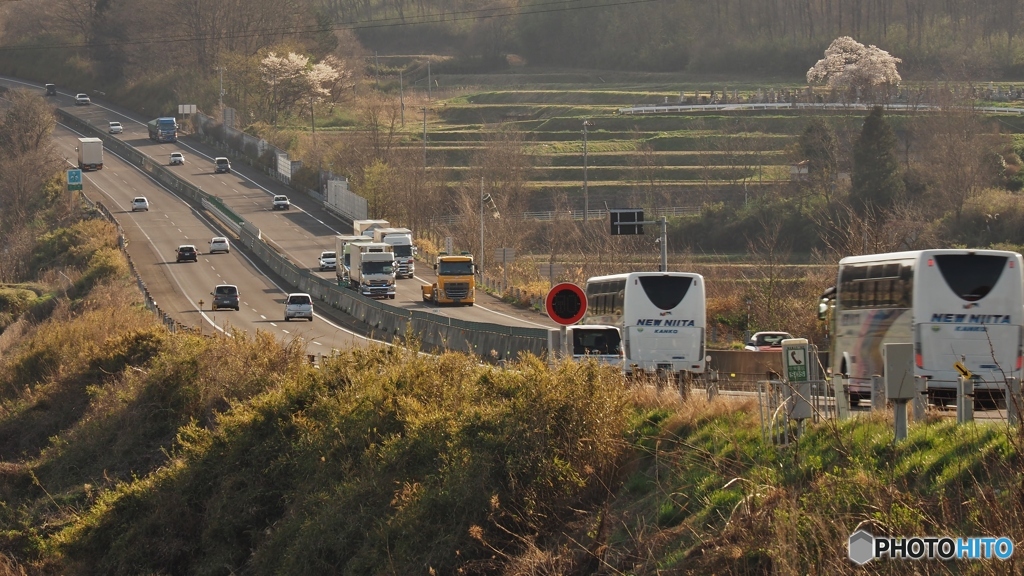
(125, 40)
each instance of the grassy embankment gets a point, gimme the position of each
(129, 450)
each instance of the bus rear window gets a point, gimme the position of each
(666, 292)
(970, 276)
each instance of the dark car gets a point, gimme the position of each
(51, 89)
(187, 252)
(225, 296)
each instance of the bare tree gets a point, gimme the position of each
(961, 155)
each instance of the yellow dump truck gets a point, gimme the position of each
(455, 281)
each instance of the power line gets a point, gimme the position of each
(481, 13)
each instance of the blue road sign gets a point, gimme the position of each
(74, 179)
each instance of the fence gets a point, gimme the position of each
(493, 342)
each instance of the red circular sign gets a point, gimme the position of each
(566, 303)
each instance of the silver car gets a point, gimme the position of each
(298, 305)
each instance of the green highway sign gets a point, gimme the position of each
(795, 359)
(74, 179)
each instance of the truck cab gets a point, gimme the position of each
(372, 269)
(400, 240)
(456, 283)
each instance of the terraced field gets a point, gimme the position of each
(683, 159)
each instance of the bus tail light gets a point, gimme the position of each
(918, 356)
(1020, 347)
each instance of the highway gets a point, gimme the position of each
(300, 233)
(153, 237)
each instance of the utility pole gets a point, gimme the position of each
(424, 139)
(220, 95)
(428, 80)
(586, 194)
(401, 95)
(480, 259)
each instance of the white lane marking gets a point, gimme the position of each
(261, 315)
(285, 331)
(317, 343)
(486, 309)
(273, 324)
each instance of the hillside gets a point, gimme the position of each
(128, 449)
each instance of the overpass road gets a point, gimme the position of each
(300, 233)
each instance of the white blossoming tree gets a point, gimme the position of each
(294, 81)
(849, 67)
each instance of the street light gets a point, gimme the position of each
(586, 196)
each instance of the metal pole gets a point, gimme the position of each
(424, 139)
(401, 95)
(586, 196)
(220, 99)
(428, 81)
(664, 244)
(480, 260)
(901, 419)
(565, 341)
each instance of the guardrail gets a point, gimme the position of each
(668, 108)
(493, 342)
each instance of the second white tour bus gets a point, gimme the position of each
(661, 316)
(953, 305)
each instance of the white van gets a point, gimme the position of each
(600, 343)
(298, 305)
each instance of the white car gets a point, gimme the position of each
(82, 99)
(328, 260)
(219, 244)
(116, 128)
(177, 158)
(281, 202)
(298, 305)
(140, 203)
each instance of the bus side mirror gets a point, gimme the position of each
(435, 267)
(823, 310)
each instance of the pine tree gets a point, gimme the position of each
(876, 181)
(819, 145)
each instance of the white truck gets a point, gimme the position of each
(372, 269)
(342, 247)
(90, 154)
(401, 242)
(366, 227)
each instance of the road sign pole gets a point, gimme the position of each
(664, 244)
(565, 341)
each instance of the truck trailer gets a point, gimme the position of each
(366, 227)
(90, 154)
(342, 247)
(163, 129)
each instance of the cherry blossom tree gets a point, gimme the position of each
(294, 80)
(849, 67)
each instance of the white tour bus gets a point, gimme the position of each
(953, 305)
(661, 316)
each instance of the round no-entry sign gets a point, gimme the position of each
(566, 303)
